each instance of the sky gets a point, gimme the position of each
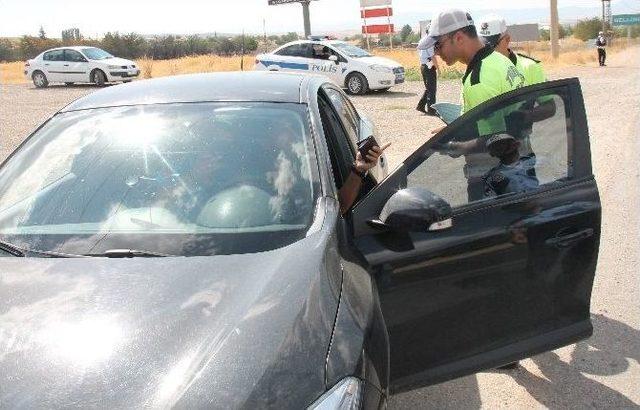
(19, 17)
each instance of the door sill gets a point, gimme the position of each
(495, 358)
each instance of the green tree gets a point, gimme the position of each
(41, 33)
(6, 50)
(587, 29)
(405, 32)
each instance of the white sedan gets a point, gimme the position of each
(71, 65)
(348, 66)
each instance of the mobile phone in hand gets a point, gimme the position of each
(365, 145)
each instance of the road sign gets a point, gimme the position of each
(626, 19)
(276, 2)
(374, 3)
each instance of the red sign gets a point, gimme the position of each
(377, 29)
(371, 13)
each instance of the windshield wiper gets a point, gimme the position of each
(128, 253)
(24, 252)
(11, 249)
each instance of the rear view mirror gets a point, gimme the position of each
(417, 210)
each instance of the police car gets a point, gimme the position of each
(348, 66)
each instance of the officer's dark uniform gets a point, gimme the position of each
(601, 43)
(430, 79)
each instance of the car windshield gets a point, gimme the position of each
(178, 179)
(351, 50)
(94, 53)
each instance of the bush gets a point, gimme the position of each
(587, 29)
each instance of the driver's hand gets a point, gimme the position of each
(371, 161)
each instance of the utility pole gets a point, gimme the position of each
(305, 16)
(554, 31)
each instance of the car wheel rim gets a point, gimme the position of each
(39, 80)
(354, 84)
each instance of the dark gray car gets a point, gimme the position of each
(178, 243)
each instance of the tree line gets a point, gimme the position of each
(134, 45)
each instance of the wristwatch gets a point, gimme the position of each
(361, 174)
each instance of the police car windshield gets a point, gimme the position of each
(351, 50)
(179, 179)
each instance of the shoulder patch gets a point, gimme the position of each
(529, 57)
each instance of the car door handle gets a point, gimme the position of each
(47, 64)
(66, 65)
(565, 241)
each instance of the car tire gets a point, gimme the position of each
(39, 79)
(69, 83)
(357, 84)
(99, 78)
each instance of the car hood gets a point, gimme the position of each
(379, 60)
(224, 331)
(116, 61)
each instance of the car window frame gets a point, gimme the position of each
(349, 107)
(578, 153)
(305, 45)
(52, 52)
(418, 157)
(67, 50)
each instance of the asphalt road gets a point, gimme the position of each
(601, 372)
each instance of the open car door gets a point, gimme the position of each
(505, 270)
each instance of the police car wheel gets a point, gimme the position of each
(357, 84)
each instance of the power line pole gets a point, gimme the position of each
(307, 20)
(554, 30)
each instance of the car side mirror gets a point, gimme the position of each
(334, 59)
(415, 210)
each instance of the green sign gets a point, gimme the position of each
(626, 19)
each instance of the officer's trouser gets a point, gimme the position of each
(430, 79)
(602, 56)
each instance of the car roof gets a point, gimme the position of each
(79, 48)
(323, 42)
(251, 86)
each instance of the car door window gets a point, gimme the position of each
(73, 56)
(346, 112)
(341, 152)
(54, 55)
(518, 145)
(295, 50)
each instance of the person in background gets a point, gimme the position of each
(493, 29)
(454, 37)
(429, 70)
(601, 43)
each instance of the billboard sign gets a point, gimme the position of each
(277, 2)
(374, 3)
(625, 19)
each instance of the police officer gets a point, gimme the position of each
(493, 29)
(601, 43)
(428, 69)
(489, 74)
